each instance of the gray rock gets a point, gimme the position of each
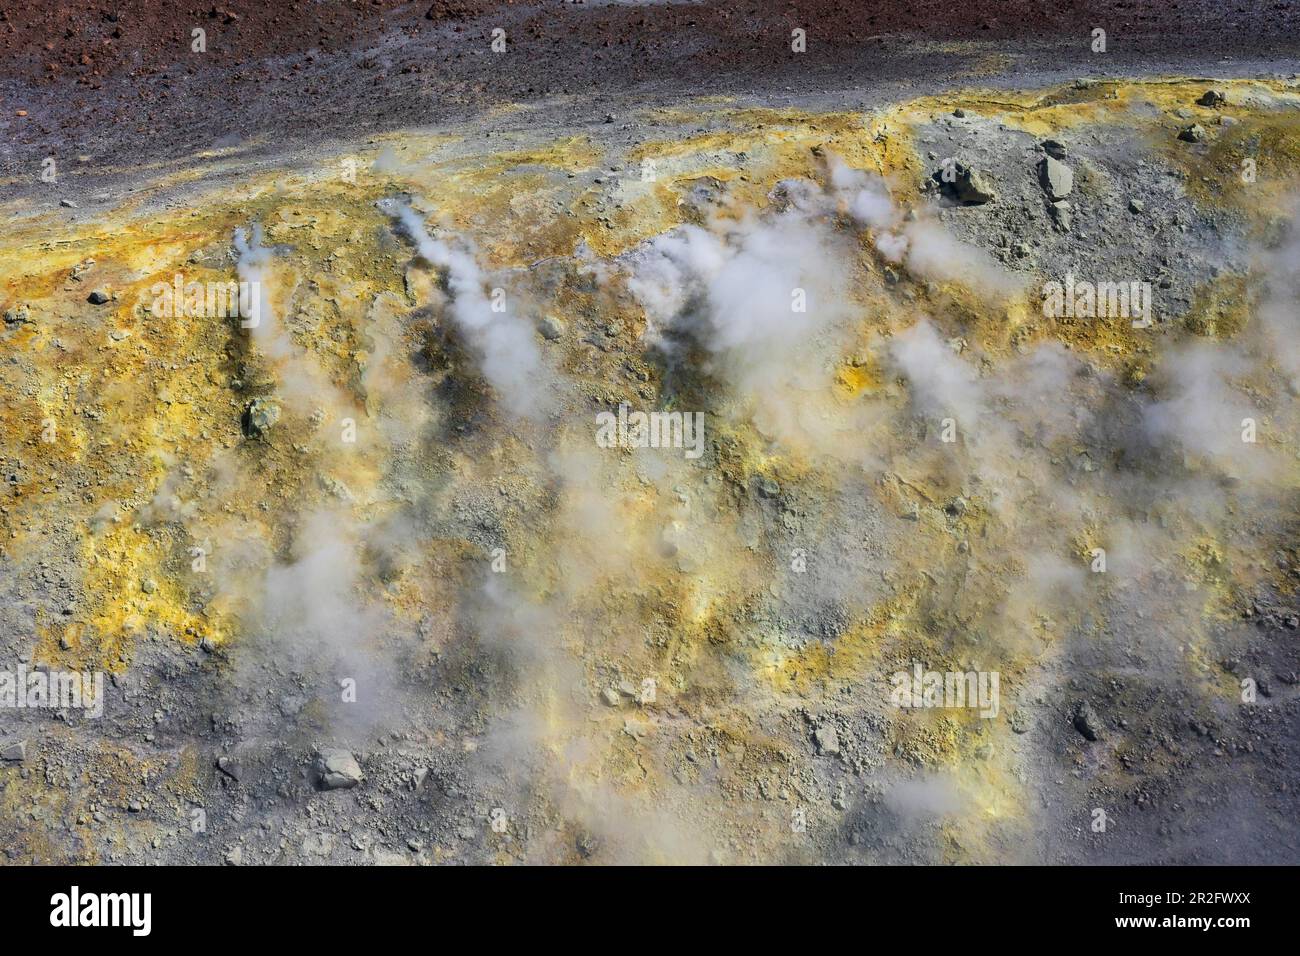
(18, 315)
(259, 416)
(827, 739)
(15, 752)
(1211, 98)
(551, 328)
(1054, 148)
(1193, 134)
(1057, 178)
(1062, 214)
(337, 769)
(1086, 721)
(337, 488)
(1136, 205)
(965, 184)
(768, 488)
(98, 297)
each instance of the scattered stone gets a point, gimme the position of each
(1193, 134)
(1054, 148)
(1211, 98)
(98, 297)
(148, 585)
(956, 507)
(612, 697)
(230, 768)
(959, 113)
(551, 328)
(768, 488)
(259, 416)
(1086, 721)
(337, 769)
(1020, 721)
(67, 204)
(1057, 178)
(1136, 205)
(15, 752)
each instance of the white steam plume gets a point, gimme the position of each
(502, 342)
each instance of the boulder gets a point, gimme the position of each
(337, 769)
(1057, 178)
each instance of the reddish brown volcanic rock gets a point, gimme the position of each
(88, 41)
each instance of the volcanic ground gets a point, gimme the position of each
(972, 341)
